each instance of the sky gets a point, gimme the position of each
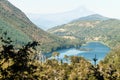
(108, 8)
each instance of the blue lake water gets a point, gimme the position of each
(88, 51)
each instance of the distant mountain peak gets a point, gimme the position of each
(51, 20)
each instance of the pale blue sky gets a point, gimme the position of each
(109, 8)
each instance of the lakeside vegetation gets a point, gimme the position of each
(19, 65)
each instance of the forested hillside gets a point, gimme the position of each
(91, 28)
(21, 30)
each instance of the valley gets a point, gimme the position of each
(82, 48)
(21, 30)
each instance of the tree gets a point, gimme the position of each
(95, 73)
(75, 59)
(55, 54)
(16, 64)
(111, 73)
(95, 60)
(66, 57)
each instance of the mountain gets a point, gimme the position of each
(92, 17)
(91, 28)
(46, 21)
(21, 30)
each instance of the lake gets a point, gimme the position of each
(87, 51)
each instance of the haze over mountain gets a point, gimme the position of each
(92, 18)
(17, 30)
(46, 21)
(21, 30)
(91, 28)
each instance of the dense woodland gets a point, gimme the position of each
(20, 65)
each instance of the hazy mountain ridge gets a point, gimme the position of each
(92, 17)
(21, 30)
(91, 28)
(58, 18)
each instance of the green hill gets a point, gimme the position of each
(91, 28)
(92, 17)
(21, 30)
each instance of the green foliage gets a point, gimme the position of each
(16, 65)
(18, 37)
(112, 64)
